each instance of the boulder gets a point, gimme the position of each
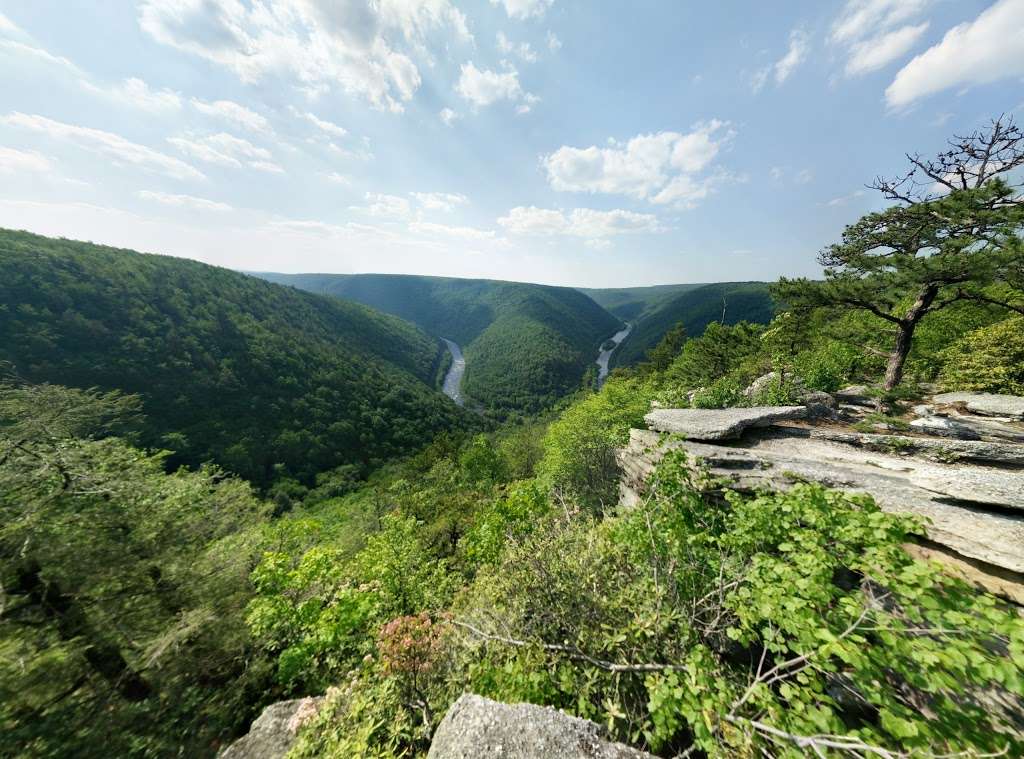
(855, 395)
(986, 404)
(818, 403)
(943, 427)
(478, 728)
(719, 424)
(760, 384)
(273, 734)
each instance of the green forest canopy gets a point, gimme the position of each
(526, 345)
(263, 379)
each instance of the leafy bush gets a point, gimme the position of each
(579, 448)
(828, 367)
(990, 359)
(779, 622)
(724, 392)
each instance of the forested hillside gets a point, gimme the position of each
(695, 309)
(267, 381)
(630, 303)
(526, 345)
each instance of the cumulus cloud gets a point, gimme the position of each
(987, 49)
(486, 87)
(553, 42)
(364, 47)
(183, 201)
(114, 146)
(227, 110)
(17, 161)
(448, 116)
(225, 149)
(586, 223)
(662, 167)
(440, 201)
(523, 9)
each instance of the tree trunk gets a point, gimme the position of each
(71, 622)
(905, 336)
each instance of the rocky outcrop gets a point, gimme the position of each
(719, 424)
(986, 404)
(478, 728)
(968, 492)
(273, 734)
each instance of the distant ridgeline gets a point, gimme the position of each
(653, 311)
(526, 345)
(263, 379)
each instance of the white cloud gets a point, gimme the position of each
(985, 50)
(872, 54)
(522, 50)
(440, 201)
(183, 201)
(842, 201)
(328, 127)
(553, 42)
(16, 161)
(483, 88)
(224, 149)
(523, 9)
(135, 92)
(363, 47)
(382, 205)
(585, 223)
(336, 178)
(659, 167)
(112, 145)
(804, 176)
(861, 18)
(6, 25)
(796, 53)
(448, 116)
(874, 33)
(235, 113)
(462, 233)
(799, 45)
(23, 50)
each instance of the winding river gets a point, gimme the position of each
(453, 380)
(605, 355)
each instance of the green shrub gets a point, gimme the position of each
(828, 367)
(722, 393)
(990, 359)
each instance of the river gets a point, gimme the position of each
(453, 380)
(606, 355)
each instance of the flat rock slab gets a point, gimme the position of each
(771, 461)
(478, 728)
(943, 427)
(987, 404)
(988, 487)
(719, 424)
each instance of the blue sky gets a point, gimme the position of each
(592, 143)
